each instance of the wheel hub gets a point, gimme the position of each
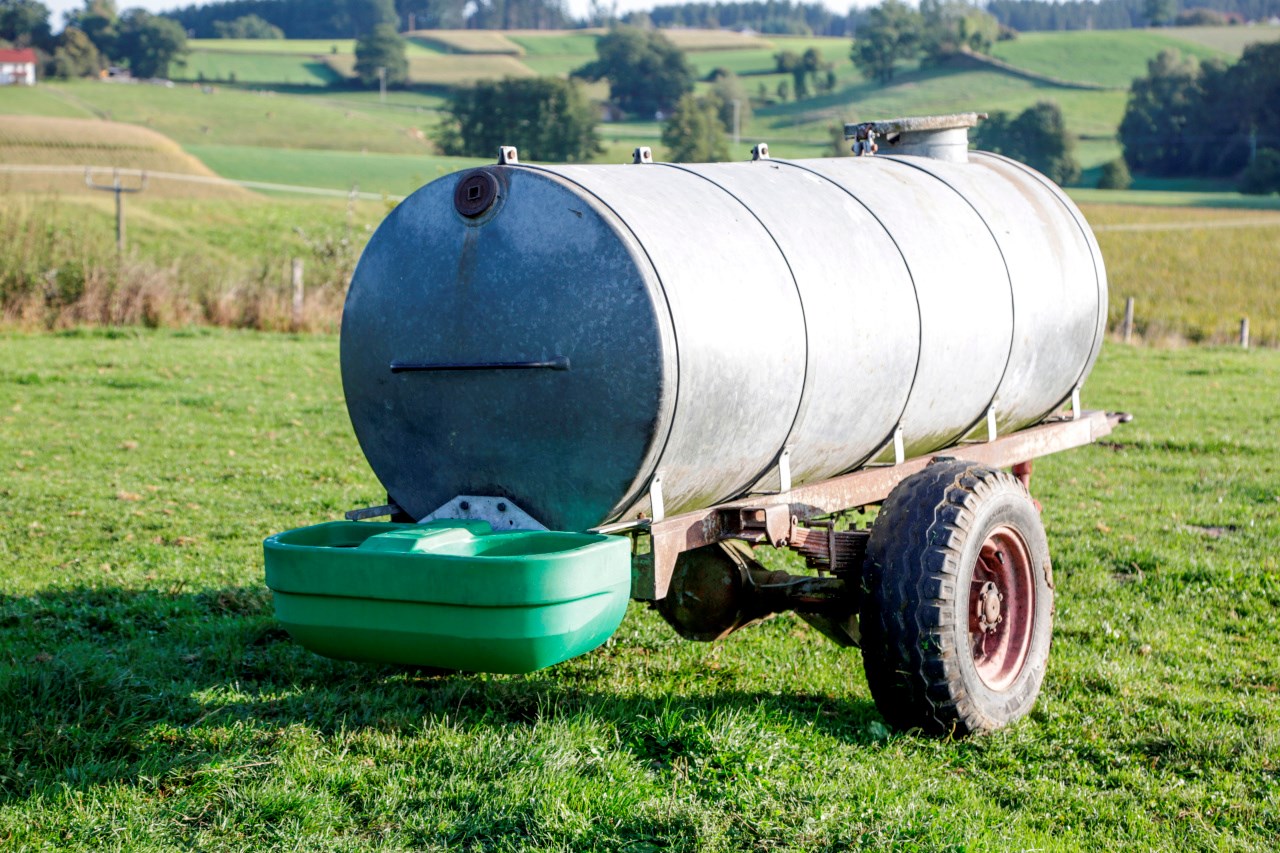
(989, 615)
(1001, 608)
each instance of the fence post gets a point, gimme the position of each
(1127, 328)
(1244, 332)
(297, 293)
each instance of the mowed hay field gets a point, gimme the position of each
(148, 699)
(101, 147)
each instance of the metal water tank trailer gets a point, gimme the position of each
(573, 333)
(584, 384)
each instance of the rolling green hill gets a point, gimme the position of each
(246, 133)
(1106, 57)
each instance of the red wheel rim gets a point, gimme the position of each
(1002, 606)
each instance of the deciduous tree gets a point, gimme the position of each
(149, 43)
(1037, 136)
(545, 117)
(247, 27)
(890, 34)
(25, 23)
(693, 133)
(647, 73)
(75, 55)
(98, 20)
(381, 48)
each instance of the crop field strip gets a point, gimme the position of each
(149, 697)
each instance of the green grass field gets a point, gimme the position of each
(1107, 57)
(229, 116)
(256, 69)
(1228, 40)
(309, 47)
(926, 91)
(149, 700)
(393, 174)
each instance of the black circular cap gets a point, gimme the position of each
(475, 192)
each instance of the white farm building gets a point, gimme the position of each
(18, 67)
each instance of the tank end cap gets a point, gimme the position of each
(475, 193)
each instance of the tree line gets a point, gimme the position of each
(774, 17)
(95, 36)
(353, 18)
(322, 19)
(1038, 15)
(1207, 119)
(894, 32)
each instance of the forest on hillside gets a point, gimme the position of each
(352, 18)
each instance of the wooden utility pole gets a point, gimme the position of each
(1244, 332)
(119, 189)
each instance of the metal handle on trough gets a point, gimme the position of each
(560, 362)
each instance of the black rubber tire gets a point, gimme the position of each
(919, 568)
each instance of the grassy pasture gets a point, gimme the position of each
(556, 42)
(256, 69)
(393, 174)
(314, 48)
(311, 47)
(448, 70)
(1107, 57)
(924, 91)
(1228, 40)
(230, 116)
(149, 700)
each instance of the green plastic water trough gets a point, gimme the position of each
(449, 594)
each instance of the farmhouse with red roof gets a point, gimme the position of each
(18, 67)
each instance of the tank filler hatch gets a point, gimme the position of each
(940, 137)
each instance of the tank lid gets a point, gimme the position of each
(944, 137)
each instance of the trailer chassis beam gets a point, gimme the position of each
(754, 518)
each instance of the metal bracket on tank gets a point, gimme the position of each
(760, 151)
(657, 511)
(501, 513)
(508, 155)
(784, 470)
(643, 154)
(991, 424)
(1076, 410)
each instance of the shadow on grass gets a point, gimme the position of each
(113, 685)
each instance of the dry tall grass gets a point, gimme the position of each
(1192, 272)
(58, 270)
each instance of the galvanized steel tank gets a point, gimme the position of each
(562, 336)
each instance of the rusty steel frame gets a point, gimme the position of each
(672, 536)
